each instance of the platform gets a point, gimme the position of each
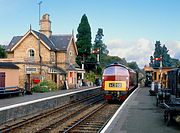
(139, 114)
(16, 107)
(11, 100)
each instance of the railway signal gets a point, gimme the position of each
(96, 51)
(158, 59)
(161, 66)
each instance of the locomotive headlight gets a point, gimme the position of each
(103, 77)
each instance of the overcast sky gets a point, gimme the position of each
(131, 27)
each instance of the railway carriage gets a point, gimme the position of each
(174, 82)
(118, 81)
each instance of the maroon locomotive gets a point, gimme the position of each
(118, 81)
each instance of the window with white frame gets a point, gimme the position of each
(70, 53)
(31, 53)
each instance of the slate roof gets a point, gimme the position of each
(55, 42)
(61, 41)
(14, 40)
(60, 70)
(8, 65)
(71, 68)
(45, 40)
(74, 68)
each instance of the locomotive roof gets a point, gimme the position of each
(116, 64)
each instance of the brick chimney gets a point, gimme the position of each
(45, 25)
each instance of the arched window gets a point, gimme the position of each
(31, 53)
(70, 53)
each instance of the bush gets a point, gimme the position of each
(45, 86)
(91, 76)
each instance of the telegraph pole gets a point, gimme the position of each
(40, 58)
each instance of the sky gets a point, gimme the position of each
(131, 27)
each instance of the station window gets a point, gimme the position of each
(31, 53)
(70, 53)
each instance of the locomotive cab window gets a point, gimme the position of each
(109, 71)
(115, 71)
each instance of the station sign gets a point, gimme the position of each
(30, 70)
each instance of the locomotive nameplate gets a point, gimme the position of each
(115, 85)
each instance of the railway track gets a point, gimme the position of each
(88, 115)
(95, 121)
(44, 121)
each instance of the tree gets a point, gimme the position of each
(151, 61)
(160, 52)
(157, 53)
(98, 43)
(166, 59)
(2, 51)
(83, 40)
(133, 65)
(112, 59)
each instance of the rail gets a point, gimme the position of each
(23, 123)
(94, 121)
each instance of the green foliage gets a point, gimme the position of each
(45, 86)
(133, 65)
(175, 62)
(162, 51)
(91, 76)
(106, 60)
(83, 40)
(40, 89)
(90, 63)
(84, 47)
(2, 52)
(99, 70)
(98, 43)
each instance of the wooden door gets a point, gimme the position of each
(2, 79)
(27, 84)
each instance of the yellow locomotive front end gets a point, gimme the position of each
(115, 86)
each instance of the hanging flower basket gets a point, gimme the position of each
(36, 81)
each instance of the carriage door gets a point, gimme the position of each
(2, 79)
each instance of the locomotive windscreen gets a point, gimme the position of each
(116, 70)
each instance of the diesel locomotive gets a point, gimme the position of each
(118, 81)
